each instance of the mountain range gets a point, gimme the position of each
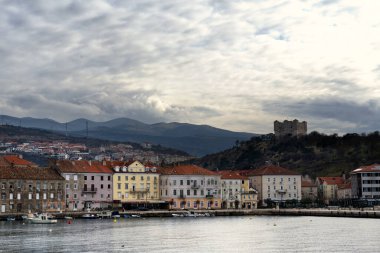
(197, 140)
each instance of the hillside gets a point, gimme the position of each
(315, 154)
(22, 134)
(197, 140)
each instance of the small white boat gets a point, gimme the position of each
(68, 218)
(11, 218)
(178, 215)
(89, 216)
(42, 218)
(135, 216)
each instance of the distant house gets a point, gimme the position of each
(275, 184)
(309, 190)
(366, 183)
(88, 184)
(328, 188)
(30, 189)
(236, 192)
(17, 160)
(190, 187)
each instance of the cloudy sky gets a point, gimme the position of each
(238, 65)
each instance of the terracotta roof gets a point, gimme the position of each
(307, 183)
(82, 166)
(331, 180)
(17, 161)
(345, 186)
(187, 170)
(31, 173)
(369, 168)
(229, 174)
(271, 170)
(112, 164)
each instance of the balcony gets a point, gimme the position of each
(281, 191)
(182, 196)
(137, 190)
(90, 190)
(195, 186)
(209, 196)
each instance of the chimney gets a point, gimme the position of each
(20, 156)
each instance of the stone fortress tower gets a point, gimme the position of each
(290, 128)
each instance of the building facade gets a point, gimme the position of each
(365, 182)
(88, 184)
(328, 188)
(309, 190)
(290, 128)
(236, 192)
(276, 184)
(136, 185)
(30, 189)
(190, 187)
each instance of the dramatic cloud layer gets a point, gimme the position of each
(232, 64)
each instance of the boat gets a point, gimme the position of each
(89, 216)
(178, 215)
(42, 218)
(105, 214)
(135, 216)
(68, 218)
(11, 218)
(115, 214)
(190, 214)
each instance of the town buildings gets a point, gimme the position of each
(328, 187)
(275, 184)
(136, 185)
(88, 184)
(309, 190)
(366, 183)
(236, 192)
(190, 186)
(28, 188)
(290, 128)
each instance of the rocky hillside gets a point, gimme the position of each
(315, 154)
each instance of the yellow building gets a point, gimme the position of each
(136, 186)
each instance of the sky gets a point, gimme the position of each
(237, 65)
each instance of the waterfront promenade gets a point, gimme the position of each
(323, 212)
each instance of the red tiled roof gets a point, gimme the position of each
(271, 170)
(369, 168)
(187, 170)
(112, 164)
(331, 180)
(229, 174)
(17, 161)
(82, 166)
(32, 173)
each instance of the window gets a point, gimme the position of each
(67, 177)
(148, 178)
(92, 178)
(181, 182)
(101, 186)
(52, 195)
(18, 196)
(67, 186)
(37, 196)
(174, 192)
(44, 196)
(75, 186)
(75, 177)
(126, 178)
(85, 177)
(188, 182)
(188, 192)
(118, 186)
(268, 179)
(101, 178)
(109, 178)
(126, 186)
(142, 178)
(119, 195)
(109, 186)
(11, 195)
(295, 187)
(3, 186)
(75, 196)
(202, 192)
(174, 182)
(29, 196)
(195, 192)
(118, 178)
(166, 192)
(3, 196)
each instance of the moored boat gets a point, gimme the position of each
(42, 218)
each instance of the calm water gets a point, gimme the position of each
(211, 234)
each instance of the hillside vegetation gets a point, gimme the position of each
(314, 154)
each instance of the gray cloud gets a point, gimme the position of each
(207, 62)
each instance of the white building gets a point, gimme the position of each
(366, 183)
(276, 184)
(190, 186)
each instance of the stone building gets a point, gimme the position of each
(30, 189)
(290, 128)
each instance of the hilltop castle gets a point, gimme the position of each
(290, 128)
